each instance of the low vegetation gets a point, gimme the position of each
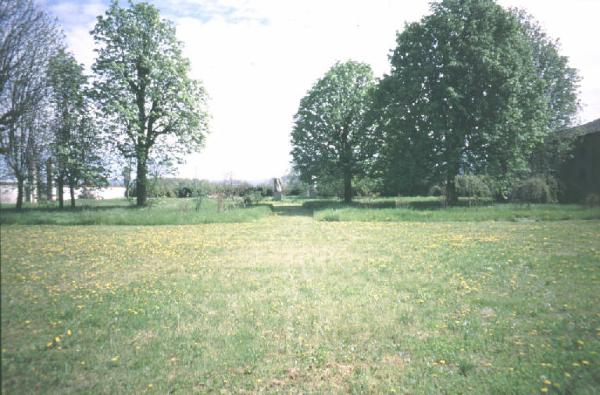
(122, 212)
(290, 304)
(499, 212)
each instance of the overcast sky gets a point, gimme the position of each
(258, 58)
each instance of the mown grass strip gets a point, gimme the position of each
(120, 212)
(500, 212)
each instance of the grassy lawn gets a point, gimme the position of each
(123, 212)
(285, 303)
(500, 212)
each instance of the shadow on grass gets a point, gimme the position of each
(292, 211)
(386, 204)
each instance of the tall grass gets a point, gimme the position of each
(121, 212)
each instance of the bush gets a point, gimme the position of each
(592, 200)
(252, 197)
(436, 190)
(366, 187)
(533, 190)
(469, 185)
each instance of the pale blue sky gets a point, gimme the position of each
(257, 58)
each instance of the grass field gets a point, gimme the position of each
(123, 212)
(287, 303)
(500, 212)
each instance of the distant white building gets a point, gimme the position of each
(8, 192)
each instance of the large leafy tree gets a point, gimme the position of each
(464, 94)
(28, 40)
(143, 88)
(561, 83)
(330, 138)
(76, 142)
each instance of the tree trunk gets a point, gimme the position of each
(347, 186)
(28, 190)
(142, 181)
(451, 198)
(39, 185)
(59, 192)
(20, 188)
(126, 179)
(72, 193)
(49, 177)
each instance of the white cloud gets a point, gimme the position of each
(257, 58)
(77, 19)
(256, 73)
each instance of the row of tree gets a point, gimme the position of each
(473, 89)
(59, 126)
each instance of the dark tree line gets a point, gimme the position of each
(473, 89)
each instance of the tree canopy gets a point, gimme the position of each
(330, 138)
(143, 87)
(76, 142)
(465, 94)
(28, 40)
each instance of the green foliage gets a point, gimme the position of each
(436, 190)
(366, 187)
(29, 37)
(592, 200)
(469, 185)
(149, 103)
(534, 190)
(252, 197)
(188, 211)
(330, 139)
(293, 184)
(471, 89)
(561, 84)
(77, 143)
(416, 212)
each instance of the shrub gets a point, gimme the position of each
(533, 190)
(366, 187)
(184, 192)
(469, 185)
(436, 190)
(592, 200)
(252, 197)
